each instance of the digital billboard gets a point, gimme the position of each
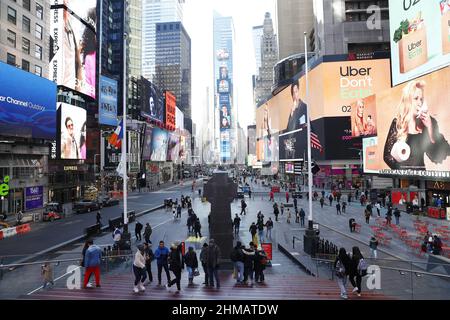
(420, 37)
(73, 54)
(222, 54)
(173, 147)
(179, 120)
(159, 145)
(72, 140)
(223, 73)
(171, 104)
(85, 9)
(147, 148)
(34, 198)
(107, 110)
(413, 130)
(369, 155)
(112, 155)
(27, 104)
(223, 86)
(152, 101)
(225, 116)
(133, 151)
(225, 147)
(364, 117)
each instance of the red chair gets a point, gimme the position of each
(357, 227)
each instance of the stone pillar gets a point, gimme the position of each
(220, 191)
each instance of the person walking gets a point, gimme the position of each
(288, 220)
(191, 261)
(271, 196)
(322, 201)
(297, 216)
(92, 262)
(330, 198)
(162, 255)
(204, 261)
(259, 265)
(269, 227)
(249, 193)
(282, 208)
(302, 217)
(373, 245)
(147, 232)
(139, 269)
(352, 224)
(138, 230)
(249, 258)
(323, 193)
(295, 203)
(358, 269)
(389, 216)
(175, 265)
(237, 256)
(149, 257)
(437, 245)
(342, 267)
(99, 218)
(190, 223)
(179, 212)
(260, 225)
(243, 207)
(367, 215)
(338, 208)
(287, 196)
(276, 212)
(47, 275)
(253, 230)
(213, 255)
(197, 228)
(236, 224)
(19, 218)
(378, 207)
(397, 216)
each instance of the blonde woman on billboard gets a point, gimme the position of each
(359, 128)
(414, 132)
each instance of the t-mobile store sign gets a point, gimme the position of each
(34, 197)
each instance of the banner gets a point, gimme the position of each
(107, 109)
(159, 145)
(72, 140)
(152, 102)
(171, 103)
(34, 198)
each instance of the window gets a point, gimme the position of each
(25, 65)
(39, 11)
(26, 45)
(38, 52)
(26, 4)
(11, 15)
(26, 24)
(38, 31)
(11, 38)
(11, 59)
(38, 71)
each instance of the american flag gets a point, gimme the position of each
(315, 142)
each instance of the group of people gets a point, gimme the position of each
(350, 266)
(299, 214)
(432, 244)
(249, 263)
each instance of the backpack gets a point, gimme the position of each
(362, 267)
(340, 269)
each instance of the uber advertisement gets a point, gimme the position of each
(27, 104)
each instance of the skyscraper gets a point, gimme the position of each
(156, 11)
(258, 32)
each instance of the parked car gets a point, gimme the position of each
(52, 211)
(86, 206)
(109, 202)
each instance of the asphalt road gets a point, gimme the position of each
(49, 234)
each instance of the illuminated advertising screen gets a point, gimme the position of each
(289, 167)
(179, 120)
(271, 148)
(420, 37)
(147, 148)
(173, 147)
(159, 145)
(223, 86)
(369, 155)
(27, 104)
(225, 147)
(34, 198)
(152, 102)
(112, 155)
(85, 9)
(73, 55)
(222, 54)
(413, 130)
(225, 116)
(133, 151)
(73, 131)
(107, 110)
(364, 117)
(223, 73)
(171, 103)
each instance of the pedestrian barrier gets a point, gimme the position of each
(22, 229)
(9, 232)
(1, 235)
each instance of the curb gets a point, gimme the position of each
(295, 260)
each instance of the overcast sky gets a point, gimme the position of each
(198, 20)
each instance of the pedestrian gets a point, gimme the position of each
(92, 262)
(138, 230)
(373, 245)
(367, 215)
(269, 227)
(323, 193)
(236, 224)
(315, 195)
(297, 216)
(338, 208)
(352, 224)
(175, 265)
(362, 200)
(295, 203)
(99, 218)
(349, 197)
(149, 257)
(378, 207)
(322, 201)
(287, 197)
(162, 256)
(253, 230)
(302, 217)
(342, 267)
(330, 198)
(288, 220)
(259, 265)
(47, 274)
(139, 269)
(182, 201)
(358, 269)
(19, 218)
(237, 256)
(213, 255)
(389, 216)
(249, 193)
(370, 208)
(397, 216)
(179, 212)
(147, 232)
(249, 258)
(271, 196)
(437, 245)
(260, 225)
(276, 212)
(204, 261)
(243, 207)
(260, 216)
(191, 261)
(282, 208)
(197, 228)
(344, 206)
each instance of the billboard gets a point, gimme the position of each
(171, 104)
(27, 104)
(152, 102)
(369, 155)
(159, 145)
(73, 55)
(223, 73)
(85, 9)
(223, 86)
(364, 117)
(222, 54)
(179, 120)
(133, 151)
(225, 147)
(34, 198)
(420, 37)
(72, 140)
(107, 111)
(225, 116)
(413, 131)
(112, 154)
(147, 148)
(173, 147)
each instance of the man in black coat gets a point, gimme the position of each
(175, 265)
(137, 230)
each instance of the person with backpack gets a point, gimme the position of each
(397, 216)
(237, 256)
(260, 225)
(243, 207)
(358, 269)
(139, 269)
(137, 231)
(341, 267)
(249, 258)
(236, 224)
(253, 230)
(322, 201)
(259, 265)
(204, 261)
(191, 261)
(175, 265)
(147, 232)
(269, 227)
(373, 245)
(338, 208)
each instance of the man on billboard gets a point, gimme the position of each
(69, 146)
(223, 73)
(225, 118)
(414, 132)
(297, 117)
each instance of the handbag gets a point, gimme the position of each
(196, 273)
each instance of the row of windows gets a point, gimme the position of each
(355, 16)
(26, 23)
(354, 5)
(25, 45)
(11, 59)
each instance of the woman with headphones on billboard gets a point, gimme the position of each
(414, 132)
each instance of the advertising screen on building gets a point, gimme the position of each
(171, 103)
(222, 54)
(225, 116)
(112, 155)
(27, 104)
(225, 148)
(147, 148)
(107, 109)
(73, 55)
(420, 37)
(179, 120)
(173, 147)
(73, 131)
(413, 130)
(369, 155)
(159, 145)
(34, 198)
(223, 72)
(85, 9)
(133, 151)
(364, 117)
(223, 86)
(152, 102)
